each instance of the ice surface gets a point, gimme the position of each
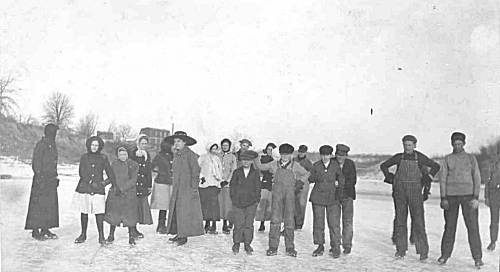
(372, 248)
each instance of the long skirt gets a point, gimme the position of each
(209, 200)
(89, 204)
(43, 208)
(144, 211)
(225, 203)
(160, 197)
(264, 209)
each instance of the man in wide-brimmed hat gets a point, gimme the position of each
(286, 174)
(185, 218)
(43, 209)
(302, 191)
(407, 194)
(460, 184)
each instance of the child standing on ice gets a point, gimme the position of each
(245, 196)
(121, 204)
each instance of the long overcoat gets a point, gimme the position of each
(43, 208)
(185, 208)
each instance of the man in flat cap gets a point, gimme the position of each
(349, 194)
(407, 194)
(460, 184)
(245, 196)
(43, 209)
(325, 198)
(286, 173)
(301, 192)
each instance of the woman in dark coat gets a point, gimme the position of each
(162, 188)
(89, 196)
(144, 182)
(121, 204)
(185, 218)
(43, 209)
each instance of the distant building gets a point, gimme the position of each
(155, 135)
(106, 136)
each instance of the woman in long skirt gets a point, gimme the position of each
(162, 187)
(144, 182)
(209, 187)
(229, 164)
(121, 204)
(89, 196)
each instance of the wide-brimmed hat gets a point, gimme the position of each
(180, 135)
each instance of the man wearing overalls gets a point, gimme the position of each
(407, 193)
(285, 174)
(492, 198)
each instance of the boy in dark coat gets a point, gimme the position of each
(245, 195)
(325, 198)
(43, 209)
(348, 169)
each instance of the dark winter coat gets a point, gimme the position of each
(91, 169)
(185, 200)
(145, 175)
(325, 192)
(43, 208)
(162, 164)
(349, 172)
(245, 191)
(121, 204)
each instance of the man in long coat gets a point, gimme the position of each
(186, 219)
(43, 209)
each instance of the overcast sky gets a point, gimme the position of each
(306, 72)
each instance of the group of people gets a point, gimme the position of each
(245, 186)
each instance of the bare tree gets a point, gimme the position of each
(7, 101)
(58, 110)
(124, 131)
(87, 125)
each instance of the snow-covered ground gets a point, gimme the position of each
(372, 248)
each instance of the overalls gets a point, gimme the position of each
(283, 206)
(408, 194)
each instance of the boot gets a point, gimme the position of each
(131, 239)
(84, 220)
(478, 263)
(442, 260)
(162, 229)
(225, 228)
(236, 248)
(291, 252)
(213, 228)
(47, 234)
(111, 236)
(262, 227)
(318, 251)
(423, 257)
(99, 219)
(335, 253)
(400, 254)
(37, 235)
(272, 251)
(207, 226)
(347, 250)
(138, 234)
(248, 249)
(174, 239)
(182, 241)
(491, 246)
